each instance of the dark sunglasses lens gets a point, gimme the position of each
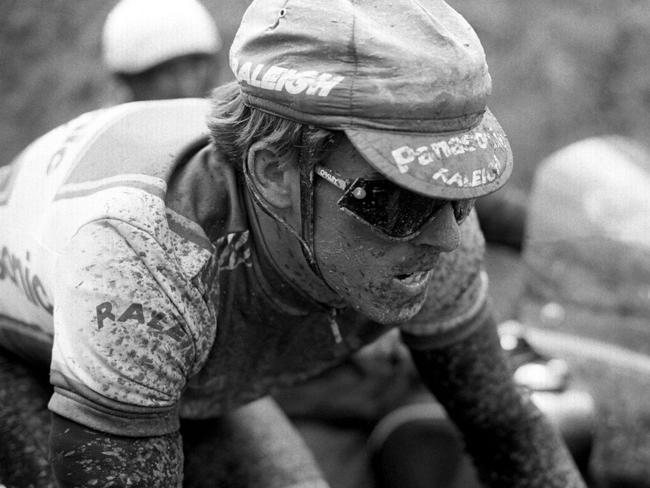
(391, 209)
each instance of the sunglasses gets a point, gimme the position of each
(396, 213)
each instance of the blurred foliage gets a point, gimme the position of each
(562, 70)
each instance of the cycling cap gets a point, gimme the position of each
(406, 80)
(139, 34)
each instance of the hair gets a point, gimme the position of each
(235, 127)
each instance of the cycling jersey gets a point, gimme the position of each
(106, 272)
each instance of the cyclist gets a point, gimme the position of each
(160, 49)
(175, 276)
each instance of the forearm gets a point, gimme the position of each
(512, 444)
(84, 457)
(256, 446)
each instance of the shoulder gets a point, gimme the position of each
(131, 145)
(140, 138)
(133, 138)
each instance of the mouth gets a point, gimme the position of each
(413, 281)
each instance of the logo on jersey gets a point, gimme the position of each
(135, 313)
(6, 179)
(18, 272)
(75, 130)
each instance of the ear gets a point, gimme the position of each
(271, 176)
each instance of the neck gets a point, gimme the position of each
(281, 257)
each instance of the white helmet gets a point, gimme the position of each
(139, 34)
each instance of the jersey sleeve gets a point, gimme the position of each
(122, 344)
(457, 297)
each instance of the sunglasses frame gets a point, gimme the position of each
(346, 184)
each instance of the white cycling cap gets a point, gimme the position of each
(139, 34)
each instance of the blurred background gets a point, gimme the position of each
(562, 70)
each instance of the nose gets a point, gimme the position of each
(442, 232)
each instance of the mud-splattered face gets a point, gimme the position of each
(383, 279)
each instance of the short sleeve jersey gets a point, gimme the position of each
(143, 318)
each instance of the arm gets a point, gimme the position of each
(510, 441)
(257, 447)
(121, 354)
(83, 457)
(252, 446)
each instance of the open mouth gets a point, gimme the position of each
(413, 279)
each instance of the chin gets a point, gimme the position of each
(381, 300)
(390, 314)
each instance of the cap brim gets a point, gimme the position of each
(452, 165)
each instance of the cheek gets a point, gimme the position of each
(350, 255)
(339, 253)
(348, 259)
